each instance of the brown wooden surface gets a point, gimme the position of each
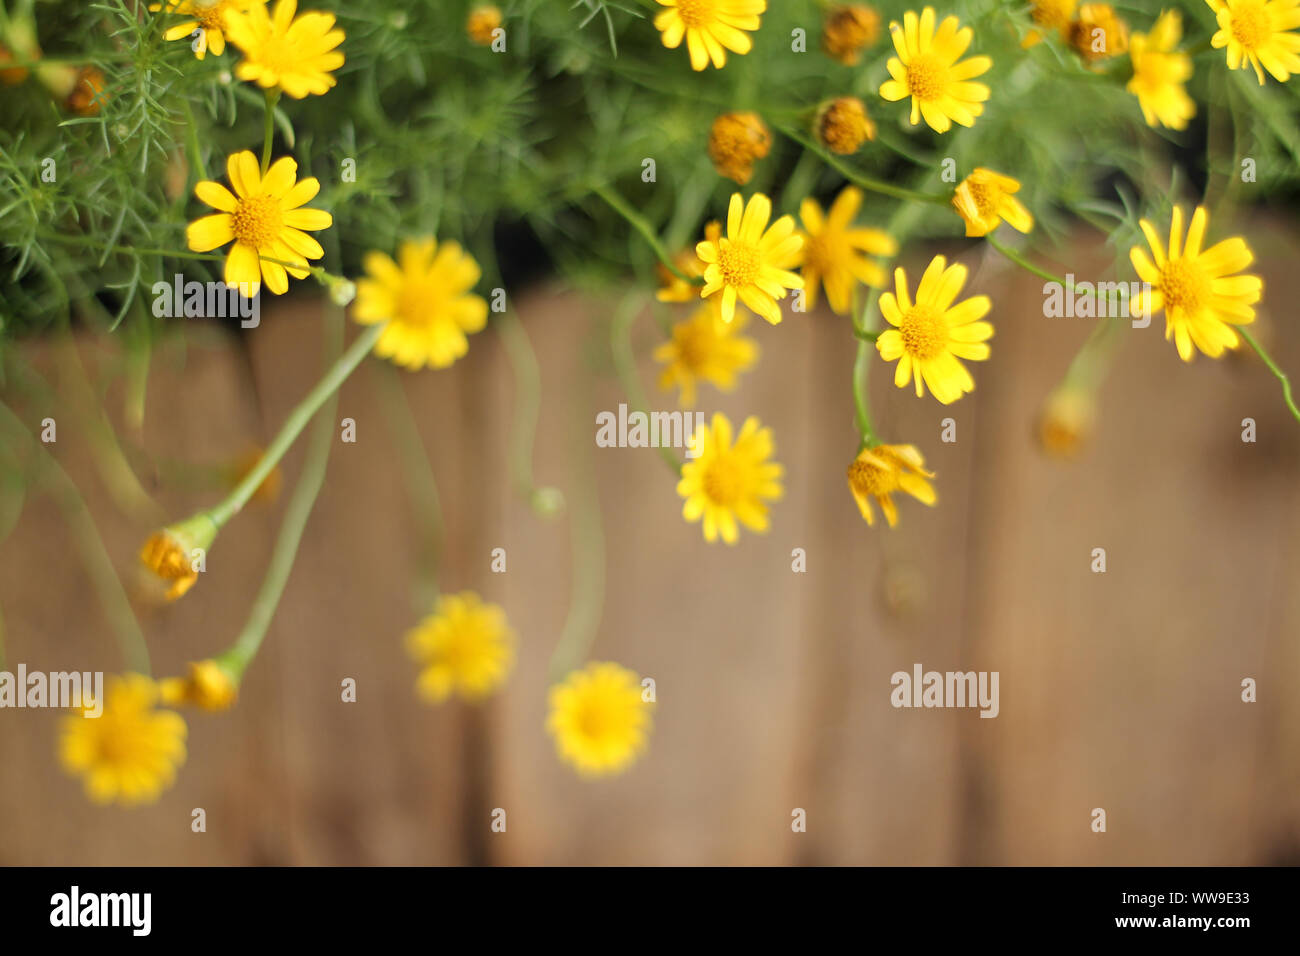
(1118, 690)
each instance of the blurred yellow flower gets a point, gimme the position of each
(1159, 73)
(729, 482)
(751, 262)
(930, 337)
(927, 70)
(1098, 32)
(599, 720)
(848, 30)
(465, 647)
(1066, 421)
(842, 125)
(985, 198)
(206, 15)
(676, 289)
(296, 54)
(1258, 32)
(482, 23)
(208, 685)
(425, 299)
(711, 27)
(264, 218)
(170, 555)
(880, 471)
(129, 754)
(736, 142)
(1198, 290)
(1052, 16)
(704, 348)
(834, 250)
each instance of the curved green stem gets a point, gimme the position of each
(294, 424)
(620, 345)
(1272, 367)
(638, 222)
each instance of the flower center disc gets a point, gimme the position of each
(926, 77)
(869, 479)
(257, 221)
(1183, 287)
(723, 482)
(924, 332)
(695, 13)
(739, 263)
(1250, 25)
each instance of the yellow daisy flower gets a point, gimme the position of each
(711, 27)
(927, 70)
(676, 289)
(1202, 296)
(208, 685)
(880, 471)
(169, 553)
(264, 218)
(985, 198)
(295, 54)
(598, 719)
(930, 337)
(465, 647)
(206, 15)
(704, 348)
(1052, 16)
(1258, 32)
(727, 482)
(129, 754)
(425, 299)
(751, 262)
(835, 252)
(1159, 73)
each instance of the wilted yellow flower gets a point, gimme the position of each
(985, 198)
(87, 94)
(297, 55)
(736, 142)
(1052, 16)
(482, 23)
(835, 251)
(599, 720)
(676, 289)
(711, 27)
(1066, 421)
(751, 262)
(128, 754)
(1258, 32)
(208, 685)
(465, 647)
(730, 482)
(1202, 297)
(930, 337)
(264, 218)
(1159, 74)
(1098, 32)
(206, 15)
(842, 125)
(880, 471)
(848, 30)
(927, 70)
(704, 348)
(170, 553)
(425, 299)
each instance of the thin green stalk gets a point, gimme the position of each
(296, 514)
(421, 484)
(99, 565)
(528, 399)
(1272, 367)
(192, 141)
(620, 344)
(864, 330)
(638, 222)
(294, 424)
(860, 179)
(272, 96)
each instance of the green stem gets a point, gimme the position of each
(192, 141)
(620, 345)
(859, 179)
(1272, 367)
(865, 331)
(269, 130)
(421, 484)
(638, 222)
(294, 424)
(296, 514)
(528, 398)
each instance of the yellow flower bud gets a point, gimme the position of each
(736, 141)
(843, 125)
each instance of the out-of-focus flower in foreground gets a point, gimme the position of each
(730, 482)
(835, 251)
(599, 719)
(703, 348)
(1159, 73)
(465, 648)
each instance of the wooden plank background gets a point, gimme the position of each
(1118, 690)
